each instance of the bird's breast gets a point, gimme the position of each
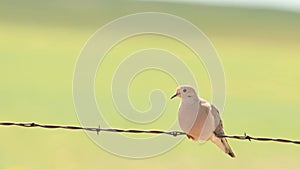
(187, 115)
(196, 120)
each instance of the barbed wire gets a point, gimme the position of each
(172, 133)
(95, 129)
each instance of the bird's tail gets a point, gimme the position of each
(223, 145)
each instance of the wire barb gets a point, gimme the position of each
(172, 133)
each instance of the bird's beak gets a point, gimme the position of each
(176, 94)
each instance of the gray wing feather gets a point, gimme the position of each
(220, 142)
(218, 122)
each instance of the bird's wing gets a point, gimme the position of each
(204, 124)
(217, 120)
(220, 142)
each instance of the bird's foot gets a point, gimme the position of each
(190, 137)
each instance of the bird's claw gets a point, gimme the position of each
(190, 137)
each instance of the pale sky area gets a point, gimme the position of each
(292, 5)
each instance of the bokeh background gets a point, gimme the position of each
(41, 40)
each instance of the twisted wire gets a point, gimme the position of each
(172, 133)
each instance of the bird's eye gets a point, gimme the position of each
(184, 90)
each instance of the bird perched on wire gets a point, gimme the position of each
(200, 119)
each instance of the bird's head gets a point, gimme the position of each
(185, 91)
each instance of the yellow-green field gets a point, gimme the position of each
(39, 46)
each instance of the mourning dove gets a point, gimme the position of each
(200, 119)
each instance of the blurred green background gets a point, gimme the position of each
(39, 46)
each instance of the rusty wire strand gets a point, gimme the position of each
(172, 133)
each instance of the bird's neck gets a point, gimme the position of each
(190, 100)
